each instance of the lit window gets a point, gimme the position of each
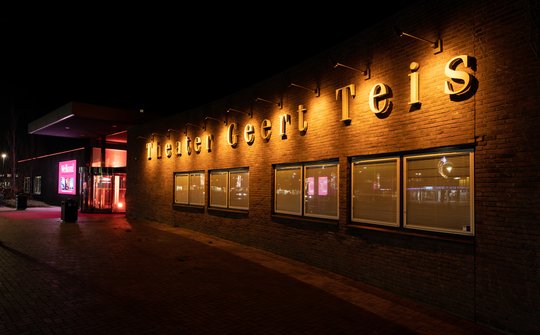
(439, 193)
(189, 188)
(321, 191)
(307, 189)
(37, 185)
(26, 185)
(375, 191)
(288, 190)
(229, 189)
(239, 189)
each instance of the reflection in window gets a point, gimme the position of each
(37, 185)
(239, 189)
(196, 189)
(218, 188)
(189, 188)
(438, 192)
(321, 199)
(375, 191)
(229, 189)
(307, 189)
(288, 191)
(26, 185)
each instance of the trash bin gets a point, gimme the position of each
(69, 210)
(21, 201)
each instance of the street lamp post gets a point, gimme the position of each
(3, 162)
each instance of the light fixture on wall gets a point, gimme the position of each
(279, 104)
(317, 90)
(206, 118)
(366, 72)
(193, 125)
(237, 111)
(250, 114)
(436, 45)
(144, 138)
(169, 131)
(154, 135)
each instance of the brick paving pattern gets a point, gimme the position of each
(107, 275)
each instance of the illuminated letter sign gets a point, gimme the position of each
(415, 84)
(178, 146)
(458, 77)
(379, 94)
(345, 92)
(232, 136)
(283, 120)
(302, 125)
(266, 129)
(149, 150)
(209, 142)
(168, 150)
(197, 144)
(67, 177)
(249, 130)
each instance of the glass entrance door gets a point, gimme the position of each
(119, 193)
(103, 190)
(102, 199)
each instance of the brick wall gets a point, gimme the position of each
(492, 277)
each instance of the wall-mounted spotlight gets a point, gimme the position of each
(279, 104)
(206, 118)
(144, 138)
(436, 45)
(192, 124)
(366, 72)
(156, 134)
(237, 111)
(317, 90)
(250, 114)
(169, 131)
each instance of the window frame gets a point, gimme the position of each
(189, 175)
(36, 187)
(229, 188)
(300, 199)
(310, 165)
(228, 205)
(470, 154)
(303, 188)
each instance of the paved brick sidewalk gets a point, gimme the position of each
(105, 275)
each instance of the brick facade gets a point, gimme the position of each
(491, 277)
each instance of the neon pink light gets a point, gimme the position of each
(67, 177)
(323, 185)
(311, 185)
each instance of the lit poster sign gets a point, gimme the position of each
(67, 176)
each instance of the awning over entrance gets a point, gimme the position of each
(81, 120)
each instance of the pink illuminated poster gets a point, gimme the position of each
(311, 185)
(323, 185)
(67, 177)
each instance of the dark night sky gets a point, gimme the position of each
(153, 57)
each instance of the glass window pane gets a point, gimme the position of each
(218, 189)
(37, 185)
(96, 157)
(115, 158)
(196, 189)
(181, 188)
(321, 191)
(438, 192)
(375, 192)
(288, 192)
(239, 189)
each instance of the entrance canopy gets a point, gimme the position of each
(81, 120)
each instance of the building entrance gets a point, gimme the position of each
(103, 190)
